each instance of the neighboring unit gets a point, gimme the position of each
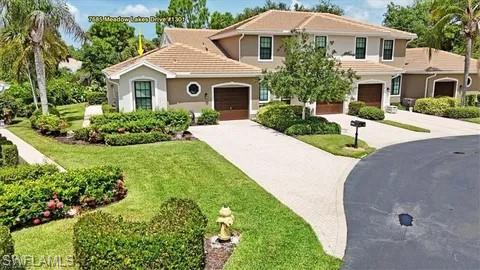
(221, 69)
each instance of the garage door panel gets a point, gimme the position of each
(329, 107)
(444, 89)
(232, 102)
(371, 94)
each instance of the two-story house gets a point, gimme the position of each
(198, 68)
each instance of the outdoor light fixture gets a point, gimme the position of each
(357, 124)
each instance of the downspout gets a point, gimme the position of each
(240, 47)
(426, 83)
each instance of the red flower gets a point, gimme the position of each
(60, 205)
(37, 221)
(51, 204)
(46, 214)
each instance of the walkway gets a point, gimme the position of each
(304, 178)
(27, 152)
(91, 111)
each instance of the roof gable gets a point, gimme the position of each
(418, 61)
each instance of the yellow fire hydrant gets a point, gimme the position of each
(225, 220)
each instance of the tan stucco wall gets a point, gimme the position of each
(399, 52)
(249, 52)
(413, 85)
(229, 46)
(179, 98)
(126, 98)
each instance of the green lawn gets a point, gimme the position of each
(273, 237)
(73, 114)
(337, 145)
(473, 120)
(404, 126)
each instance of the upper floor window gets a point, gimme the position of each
(360, 48)
(388, 49)
(321, 42)
(264, 93)
(396, 84)
(265, 48)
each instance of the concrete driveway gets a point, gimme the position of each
(380, 135)
(304, 178)
(437, 183)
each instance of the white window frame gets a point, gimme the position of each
(199, 89)
(399, 90)
(355, 48)
(383, 50)
(268, 94)
(471, 81)
(271, 56)
(131, 85)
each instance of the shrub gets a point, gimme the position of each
(299, 129)
(65, 90)
(82, 134)
(462, 112)
(135, 138)
(173, 239)
(9, 155)
(209, 117)
(434, 106)
(470, 100)
(49, 124)
(107, 108)
(371, 113)
(29, 202)
(25, 172)
(95, 98)
(7, 249)
(355, 106)
(313, 125)
(278, 116)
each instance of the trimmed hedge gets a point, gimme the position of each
(371, 113)
(25, 172)
(95, 98)
(471, 100)
(174, 239)
(8, 153)
(135, 138)
(49, 124)
(27, 202)
(208, 117)
(434, 106)
(279, 116)
(462, 112)
(7, 249)
(313, 125)
(355, 106)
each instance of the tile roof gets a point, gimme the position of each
(286, 21)
(366, 67)
(186, 60)
(197, 38)
(418, 61)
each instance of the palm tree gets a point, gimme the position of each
(41, 20)
(465, 13)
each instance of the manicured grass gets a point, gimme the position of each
(473, 120)
(404, 126)
(338, 145)
(272, 236)
(73, 114)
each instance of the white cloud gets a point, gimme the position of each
(136, 10)
(358, 14)
(383, 3)
(74, 10)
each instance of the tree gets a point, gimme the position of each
(326, 6)
(184, 14)
(309, 73)
(465, 13)
(220, 20)
(42, 18)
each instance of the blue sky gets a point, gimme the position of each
(365, 10)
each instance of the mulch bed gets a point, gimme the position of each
(217, 254)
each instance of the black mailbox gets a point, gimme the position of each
(357, 123)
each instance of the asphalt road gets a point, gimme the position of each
(435, 181)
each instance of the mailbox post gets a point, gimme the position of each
(357, 124)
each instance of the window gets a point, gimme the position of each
(264, 93)
(265, 48)
(143, 95)
(321, 42)
(396, 84)
(469, 81)
(388, 49)
(360, 47)
(194, 89)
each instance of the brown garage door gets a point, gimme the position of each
(329, 107)
(231, 102)
(371, 94)
(444, 89)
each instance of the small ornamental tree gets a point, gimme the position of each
(309, 73)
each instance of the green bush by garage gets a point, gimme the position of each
(208, 117)
(434, 106)
(371, 113)
(462, 112)
(173, 239)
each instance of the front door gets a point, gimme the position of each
(231, 102)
